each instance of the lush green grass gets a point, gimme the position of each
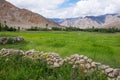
(101, 47)
(18, 68)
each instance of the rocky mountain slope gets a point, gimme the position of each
(16, 17)
(103, 21)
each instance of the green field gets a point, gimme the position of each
(101, 47)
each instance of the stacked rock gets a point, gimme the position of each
(113, 74)
(53, 60)
(81, 61)
(31, 54)
(3, 40)
(7, 52)
(89, 65)
(10, 40)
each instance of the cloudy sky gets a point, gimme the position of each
(69, 8)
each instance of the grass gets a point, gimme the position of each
(101, 47)
(16, 67)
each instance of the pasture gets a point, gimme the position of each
(101, 47)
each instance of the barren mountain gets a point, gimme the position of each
(103, 21)
(81, 23)
(112, 21)
(13, 16)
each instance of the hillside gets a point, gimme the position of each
(14, 16)
(102, 21)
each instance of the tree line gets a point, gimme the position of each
(7, 28)
(104, 30)
(93, 29)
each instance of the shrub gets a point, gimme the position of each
(56, 29)
(103, 30)
(11, 41)
(33, 29)
(7, 28)
(72, 29)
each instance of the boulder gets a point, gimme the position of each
(56, 65)
(108, 70)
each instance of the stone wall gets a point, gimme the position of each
(11, 40)
(77, 61)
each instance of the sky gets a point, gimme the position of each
(69, 8)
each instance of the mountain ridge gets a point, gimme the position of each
(102, 21)
(23, 18)
(16, 17)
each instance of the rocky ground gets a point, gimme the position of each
(77, 61)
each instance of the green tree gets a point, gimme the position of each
(5, 28)
(0, 27)
(18, 28)
(47, 26)
(11, 29)
(5, 22)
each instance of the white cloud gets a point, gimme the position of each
(37, 4)
(49, 8)
(96, 7)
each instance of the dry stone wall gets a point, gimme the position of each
(11, 40)
(77, 61)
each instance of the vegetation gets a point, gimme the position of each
(103, 30)
(101, 47)
(16, 67)
(6, 28)
(33, 29)
(11, 40)
(37, 29)
(56, 29)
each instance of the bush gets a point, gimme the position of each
(33, 29)
(11, 29)
(72, 29)
(56, 29)
(109, 30)
(7, 28)
(37, 29)
(11, 41)
(103, 30)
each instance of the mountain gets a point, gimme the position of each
(81, 23)
(60, 20)
(16, 17)
(112, 21)
(56, 20)
(102, 21)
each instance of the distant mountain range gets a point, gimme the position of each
(16, 17)
(102, 21)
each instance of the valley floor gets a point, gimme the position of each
(101, 47)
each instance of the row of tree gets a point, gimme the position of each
(6, 28)
(104, 30)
